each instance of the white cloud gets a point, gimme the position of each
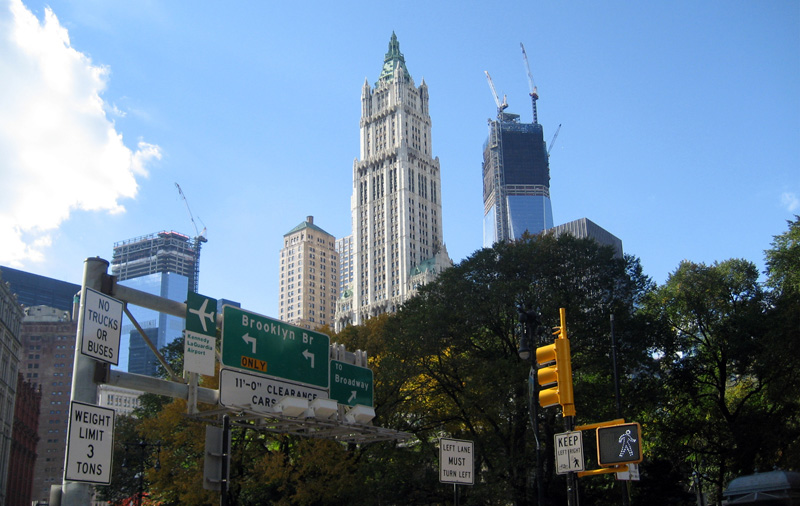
(58, 149)
(790, 201)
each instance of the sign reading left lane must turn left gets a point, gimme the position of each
(90, 443)
(102, 327)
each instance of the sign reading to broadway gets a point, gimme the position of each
(258, 343)
(102, 317)
(350, 384)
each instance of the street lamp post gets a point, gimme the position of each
(144, 461)
(527, 351)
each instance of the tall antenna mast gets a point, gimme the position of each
(534, 94)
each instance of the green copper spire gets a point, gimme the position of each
(391, 59)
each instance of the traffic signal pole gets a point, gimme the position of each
(566, 397)
(554, 372)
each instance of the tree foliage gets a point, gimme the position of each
(454, 347)
(717, 372)
(706, 362)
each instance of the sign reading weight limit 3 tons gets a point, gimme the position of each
(90, 443)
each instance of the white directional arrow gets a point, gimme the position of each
(310, 355)
(251, 341)
(352, 396)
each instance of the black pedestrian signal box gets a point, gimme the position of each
(619, 444)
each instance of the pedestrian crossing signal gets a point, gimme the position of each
(619, 444)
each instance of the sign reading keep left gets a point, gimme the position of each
(102, 327)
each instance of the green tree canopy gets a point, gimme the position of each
(717, 372)
(451, 357)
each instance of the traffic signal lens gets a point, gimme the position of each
(547, 375)
(545, 354)
(548, 397)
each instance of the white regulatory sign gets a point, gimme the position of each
(569, 452)
(259, 392)
(456, 461)
(631, 474)
(102, 327)
(90, 443)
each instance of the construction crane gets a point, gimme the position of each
(500, 107)
(531, 84)
(553, 140)
(199, 238)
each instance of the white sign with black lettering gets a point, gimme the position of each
(631, 474)
(90, 443)
(456, 461)
(569, 452)
(260, 392)
(198, 353)
(102, 327)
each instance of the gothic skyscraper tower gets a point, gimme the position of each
(396, 203)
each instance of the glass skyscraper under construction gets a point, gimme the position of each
(516, 180)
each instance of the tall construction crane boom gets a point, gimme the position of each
(199, 239)
(531, 84)
(553, 140)
(199, 236)
(500, 107)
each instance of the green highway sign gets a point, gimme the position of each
(201, 314)
(258, 343)
(351, 384)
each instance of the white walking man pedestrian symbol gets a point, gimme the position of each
(626, 439)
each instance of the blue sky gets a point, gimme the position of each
(680, 122)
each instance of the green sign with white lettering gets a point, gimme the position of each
(254, 342)
(350, 384)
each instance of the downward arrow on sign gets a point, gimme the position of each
(310, 355)
(251, 341)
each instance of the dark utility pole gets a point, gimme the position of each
(226, 451)
(527, 351)
(623, 484)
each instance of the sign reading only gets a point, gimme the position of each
(258, 343)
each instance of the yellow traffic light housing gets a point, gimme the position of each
(559, 373)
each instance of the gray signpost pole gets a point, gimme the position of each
(84, 388)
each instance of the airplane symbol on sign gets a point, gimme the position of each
(201, 313)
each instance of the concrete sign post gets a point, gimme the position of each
(90, 443)
(102, 317)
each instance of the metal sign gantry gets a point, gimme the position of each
(318, 417)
